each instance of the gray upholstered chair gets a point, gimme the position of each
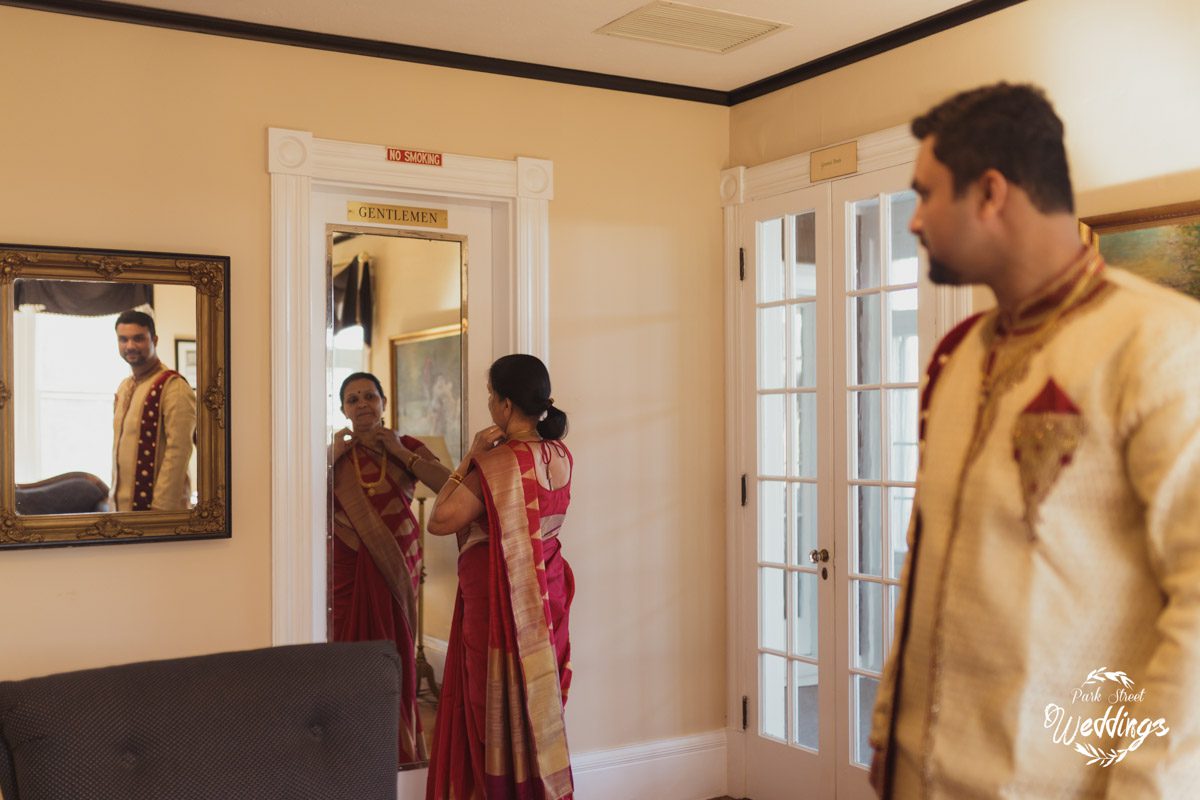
(284, 723)
(69, 493)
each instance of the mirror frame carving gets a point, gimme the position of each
(209, 275)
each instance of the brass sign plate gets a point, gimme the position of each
(398, 215)
(833, 162)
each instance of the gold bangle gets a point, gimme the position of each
(412, 461)
(454, 476)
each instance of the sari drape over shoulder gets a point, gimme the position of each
(376, 568)
(500, 732)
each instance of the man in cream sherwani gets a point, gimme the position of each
(1048, 640)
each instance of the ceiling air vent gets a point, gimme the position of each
(690, 26)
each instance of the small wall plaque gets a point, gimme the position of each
(833, 162)
(397, 215)
(414, 157)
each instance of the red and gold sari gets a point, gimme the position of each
(500, 732)
(376, 567)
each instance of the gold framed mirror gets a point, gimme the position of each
(106, 438)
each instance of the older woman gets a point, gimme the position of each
(376, 556)
(509, 637)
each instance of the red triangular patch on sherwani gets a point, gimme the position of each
(1045, 437)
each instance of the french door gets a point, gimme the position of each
(835, 323)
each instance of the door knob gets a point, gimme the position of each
(818, 556)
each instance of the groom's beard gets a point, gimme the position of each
(941, 273)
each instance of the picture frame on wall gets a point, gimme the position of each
(185, 360)
(427, 385)
(1160, 243)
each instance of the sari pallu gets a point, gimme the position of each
(376, 564)
(500, 732)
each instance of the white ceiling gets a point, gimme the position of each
(559, 33)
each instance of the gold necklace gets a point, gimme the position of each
(370, 487)
(516, 437)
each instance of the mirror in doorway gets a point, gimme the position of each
(396, 414)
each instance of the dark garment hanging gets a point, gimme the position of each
(81, 298)
(353, 303)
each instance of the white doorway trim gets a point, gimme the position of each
(739, 186)
(299, 164)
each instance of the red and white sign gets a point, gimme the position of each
(414, 157)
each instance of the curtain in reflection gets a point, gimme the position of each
(353, 303)
(82, 298)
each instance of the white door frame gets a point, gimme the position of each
(299, 164)
(738, 186)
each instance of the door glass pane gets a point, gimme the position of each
(772, 337)
(804, 435)
(804, 346)
(804, 270)
(772, 609)
(902, 358)
(864, 335)
(772, 435)
(867, 607)
(804, 627)
(804, 507)
(770, 260)
(903, 268)
(867, 529)
(865, 247)
(902, 429)
(865, 436)
(772, 521)
(805, 683)
(774, 693)
(862, 691)
(893, 610)
(900, 500)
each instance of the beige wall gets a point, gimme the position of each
(174, 318)
(131, 137)
(1123, 76)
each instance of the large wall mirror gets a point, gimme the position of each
(398, 311)
(114, 396)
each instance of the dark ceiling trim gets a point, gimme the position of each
(920, 29)
(198, 23)
(217, 26)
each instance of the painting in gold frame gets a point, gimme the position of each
(1160, 243)
(427, 384)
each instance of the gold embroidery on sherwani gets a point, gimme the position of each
(1008, 351)
(1043, 443)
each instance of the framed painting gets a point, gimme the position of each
(427, 385)
(1161, 243)
(185, 360)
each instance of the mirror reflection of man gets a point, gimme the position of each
(154, 419)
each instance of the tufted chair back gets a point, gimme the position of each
(281, 723)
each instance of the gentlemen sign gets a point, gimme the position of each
(397, 215)
(414, 157)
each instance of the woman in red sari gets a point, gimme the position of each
(376, 557)
(500, 733)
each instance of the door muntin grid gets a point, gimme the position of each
(881, 404)
(788, 434)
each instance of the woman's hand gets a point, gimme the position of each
(485, 440)
(381, 439)
(343, 440)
